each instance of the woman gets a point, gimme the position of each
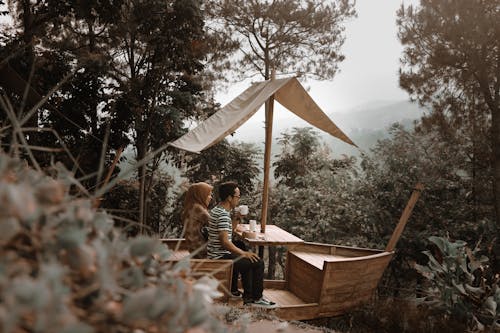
(195, 218)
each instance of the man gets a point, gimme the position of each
(220, 246)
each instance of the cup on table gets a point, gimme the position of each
(243, 209)
(252, 225)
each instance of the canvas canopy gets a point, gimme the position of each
(288, 92)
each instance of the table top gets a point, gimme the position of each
(274, 235)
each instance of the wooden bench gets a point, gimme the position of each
(219, 269)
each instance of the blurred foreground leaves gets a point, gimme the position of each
(64, 267)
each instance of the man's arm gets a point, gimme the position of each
(235, 220)
(224, 239)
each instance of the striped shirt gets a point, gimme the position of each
(220, 220)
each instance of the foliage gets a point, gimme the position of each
(132, 79)
(448, 205)
(225, 162)
(451, 59)
(461, 284)
(59, 37)
(122, 201)
(65, 268)
(450, 45)
(313, 198)
(302, 37)
(391, 315)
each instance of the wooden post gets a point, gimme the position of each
(404, 217)
(269, 108)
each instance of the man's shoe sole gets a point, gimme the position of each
(264, 306)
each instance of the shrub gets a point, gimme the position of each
(461, 284)
(64, 267)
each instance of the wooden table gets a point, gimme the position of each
(274, 236)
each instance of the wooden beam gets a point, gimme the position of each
(269, 108)
(404, 217)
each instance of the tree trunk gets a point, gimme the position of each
(28, 35)
(495, 138)
(141, 146)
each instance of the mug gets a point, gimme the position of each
(252, 225)
(243, 209)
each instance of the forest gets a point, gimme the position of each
(83, 81)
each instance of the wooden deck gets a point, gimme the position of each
(284, 298)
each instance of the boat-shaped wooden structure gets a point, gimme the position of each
(321, 280)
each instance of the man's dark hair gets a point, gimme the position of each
(226, 189)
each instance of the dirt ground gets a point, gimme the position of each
(270, 326)
(261, 321)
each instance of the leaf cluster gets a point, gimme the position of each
(64, 267)
(461, 283)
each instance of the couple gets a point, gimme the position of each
(220, 231)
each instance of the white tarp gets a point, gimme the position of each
(288, 92)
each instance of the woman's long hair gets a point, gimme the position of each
(196, 194)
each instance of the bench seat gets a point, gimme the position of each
(219, 269)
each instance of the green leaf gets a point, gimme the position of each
(460, 287)
(77, 328)
(71, 237)
(142, 246)
(476, 291)
(10, 228)
(491, 306)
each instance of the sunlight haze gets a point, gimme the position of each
(368, 75)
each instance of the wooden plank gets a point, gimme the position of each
(304, 279)
(273, 236)
(298, 312)
(174, 243)
(345, 251)
(404, 218)
(274, 284)
(349, 283)
(282, 297)
(178, 255)
(317, 259)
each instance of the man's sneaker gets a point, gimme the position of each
(264, 303)
(236, 294)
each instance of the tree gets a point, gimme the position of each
(226, 162)
(156, 62)
(302, 153)
(313, 195)
(447, 207)
(290, 36)
(452, 52)
(137, 72)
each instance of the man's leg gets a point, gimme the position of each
(240, 266)
(257, 276)
(234, 284)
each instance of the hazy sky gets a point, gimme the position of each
(370, 71)
(368, 75)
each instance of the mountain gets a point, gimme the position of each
(364, 124)
(378, 115)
